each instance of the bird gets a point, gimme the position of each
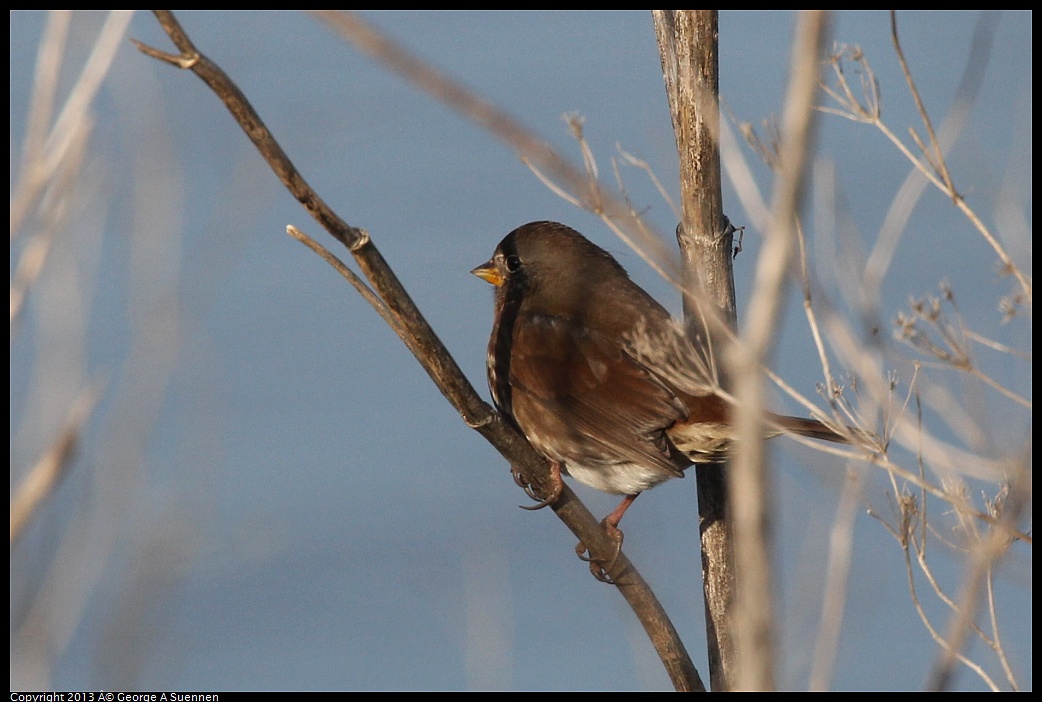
(597, 375)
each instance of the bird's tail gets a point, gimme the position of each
(814, 429)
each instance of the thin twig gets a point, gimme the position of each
(936, 635)
(349, 275)
(996, 638)
(936, 158)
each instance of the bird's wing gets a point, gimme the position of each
(605, 405)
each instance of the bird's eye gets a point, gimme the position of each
(513, 263)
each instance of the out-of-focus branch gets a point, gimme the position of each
(46, 150)
(52, 152)
(52, 156)
(44, 477)
(418, 336)
(749, 492)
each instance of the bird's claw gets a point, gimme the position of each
(555, 491)
(599, 568)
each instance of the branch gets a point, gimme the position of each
(749, 480)
(416, 333)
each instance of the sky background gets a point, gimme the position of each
(271, 494)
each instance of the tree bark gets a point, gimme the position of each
(688, 45)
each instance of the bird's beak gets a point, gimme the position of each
(487, 271)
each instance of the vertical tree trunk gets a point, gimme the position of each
(687, 42)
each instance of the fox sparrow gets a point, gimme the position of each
(596, 374)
